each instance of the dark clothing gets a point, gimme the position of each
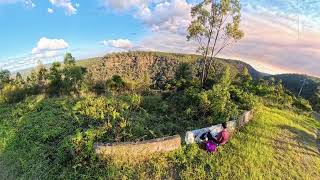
(220, 139)
(209, 136)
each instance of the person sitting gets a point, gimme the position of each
(213, 142)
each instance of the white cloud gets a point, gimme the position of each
(26, 3)
(47, 54)
(29, 4)
(46, 51)
(66, 5)
(270, 45)
(31, 60)
(118, 43)
(44, 45)
(158, 15)
(167, 42)
(173, 16)
(121, 5)
(50, 11)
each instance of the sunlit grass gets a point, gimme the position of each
(277, 144)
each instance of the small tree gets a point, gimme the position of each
(19, 79)
(244, 79)
(4, 77)
(215, 25)
(42, 76)
(73, 75)
(55, 79)
(69, 59)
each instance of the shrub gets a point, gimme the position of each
(154, 104)
(134, 100)
(302, 104)
(245, 100)
(94, 108)
(109, 115)
(12, 93)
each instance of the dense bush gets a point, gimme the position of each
(12, 93)
(245, 100)
(302, 104)
(55, 131)
(154, 104)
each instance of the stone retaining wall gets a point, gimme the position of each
(139, 149)
(142, 149)
(193, 136)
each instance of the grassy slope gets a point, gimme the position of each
(277, 143)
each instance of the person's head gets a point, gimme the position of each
(224, 125)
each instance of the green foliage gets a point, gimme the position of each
(50, 137)
(163, 73)
(154, 104)
(302, 104)
(55, 80)
(134, 100)
(115, 83)
(45, 142)
(19, 80)
(73, 76)
(215, 25)
(184, 71)
(213, 106)
(94, 108)
(244, 79)
(185, 76)
(12, 93)
(310, 86)
(69, 59)
(35, 139)
(4, 77)
(111, 115)
(243, 99)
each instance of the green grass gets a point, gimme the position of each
(277, 144)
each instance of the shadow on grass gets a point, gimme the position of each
(301, 136)
(300, 140)
(303, 141)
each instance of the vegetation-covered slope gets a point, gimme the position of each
(276, 144)
(310, 87)
(50, 120)
(136, 65)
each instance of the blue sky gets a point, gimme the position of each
(43, 30)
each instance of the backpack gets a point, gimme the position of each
(211, 147)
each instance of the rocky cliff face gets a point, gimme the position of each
(134, 66)
(151, 67)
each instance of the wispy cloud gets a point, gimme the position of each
(118, 43)
(26, 3)
(67, 5)
(271, 43)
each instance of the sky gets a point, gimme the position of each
(281, 36)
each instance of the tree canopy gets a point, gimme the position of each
(215, 25)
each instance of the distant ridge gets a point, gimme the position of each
(117, 61)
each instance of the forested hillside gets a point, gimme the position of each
(50, 120)
(308, 87)
(137, 64)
